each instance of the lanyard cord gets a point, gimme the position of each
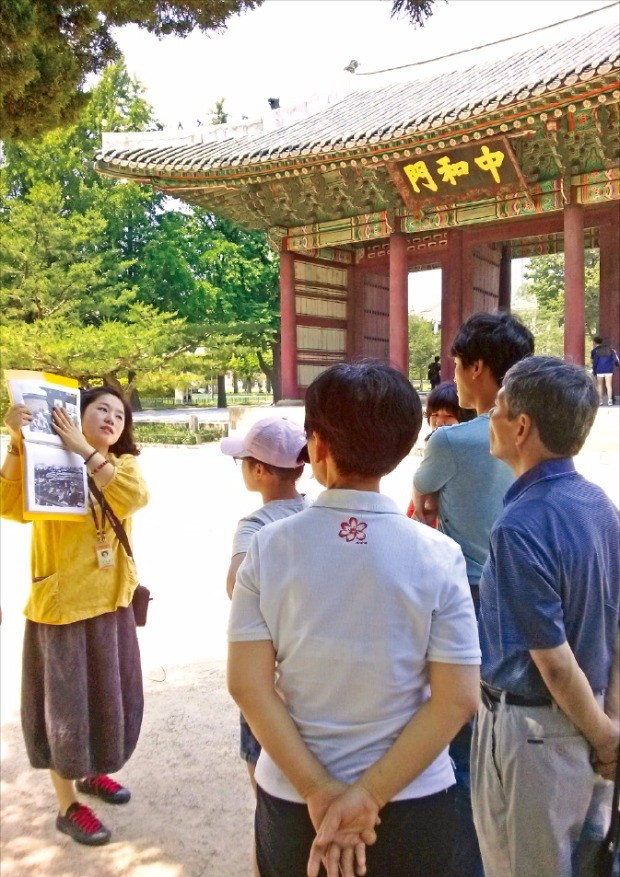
(100, 529)
(117, 525)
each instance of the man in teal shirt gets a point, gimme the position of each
(459, 482)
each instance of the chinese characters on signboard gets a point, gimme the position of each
(466, 173)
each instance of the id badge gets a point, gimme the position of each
(105, 555)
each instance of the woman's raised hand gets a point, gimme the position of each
(72, 436)
(16, 417)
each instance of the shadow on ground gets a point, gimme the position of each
(191, 810)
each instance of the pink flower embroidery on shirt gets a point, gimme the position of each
(353, 530)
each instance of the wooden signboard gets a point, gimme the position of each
(466, 173)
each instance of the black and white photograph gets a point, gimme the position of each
(54, 482)
(54, 478)
(41, 413)
(41, 397)
(59, 486)
(43, 400)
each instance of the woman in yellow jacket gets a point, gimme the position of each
(82, 698)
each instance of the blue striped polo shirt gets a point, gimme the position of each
(552, 576)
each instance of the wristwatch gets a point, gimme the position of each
(12, 449)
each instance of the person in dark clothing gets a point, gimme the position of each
(604, 358)
(434, 373)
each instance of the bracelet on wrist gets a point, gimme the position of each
(98, 468)
(90, 456)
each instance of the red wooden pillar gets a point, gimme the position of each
(505, 281)
(288, 326)
(399, 272)
(360, 311)
(574, 285)
(465, 273)
(451, 298)
(609, 306)
(352, 313)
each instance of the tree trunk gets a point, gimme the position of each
(131, 392)
(272, 373)
(235, 378)
(221, 392)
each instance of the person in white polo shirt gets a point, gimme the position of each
(354, 652)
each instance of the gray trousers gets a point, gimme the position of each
(535, 797)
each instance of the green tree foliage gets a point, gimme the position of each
(544, 291)
(545, 327)
(49, 48)
(219, 116)
(102, 280)
(144, 340)
(415, 10)
(424, 345)
(222, 280)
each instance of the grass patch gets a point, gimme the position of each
(175, 434)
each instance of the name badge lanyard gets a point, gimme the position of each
(103, 550)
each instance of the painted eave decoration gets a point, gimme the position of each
(554, 109)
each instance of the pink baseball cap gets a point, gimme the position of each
(272, 440)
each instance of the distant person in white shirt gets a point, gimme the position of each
(354, 652)
(270, 465)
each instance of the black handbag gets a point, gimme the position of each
(141, 596)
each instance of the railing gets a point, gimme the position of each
(205, 401)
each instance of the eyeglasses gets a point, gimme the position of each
(239, 460)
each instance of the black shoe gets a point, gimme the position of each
(104, 787)
(80, 823)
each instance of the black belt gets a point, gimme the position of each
(491, 695)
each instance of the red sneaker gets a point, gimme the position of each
(80, 823)
(104, 787)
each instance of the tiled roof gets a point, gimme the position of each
(393, 111)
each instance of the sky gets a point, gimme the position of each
(296, 50)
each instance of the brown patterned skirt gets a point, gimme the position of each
(82, 698)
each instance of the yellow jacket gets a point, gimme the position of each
(67, 584)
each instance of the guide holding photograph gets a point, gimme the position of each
(54, 475)
(82, 698)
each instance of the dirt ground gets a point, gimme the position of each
(191, 810)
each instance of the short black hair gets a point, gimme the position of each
(126, 443)
(368, 414)
(444, 397)
(561, 398)
(598, 339)
(499, 340)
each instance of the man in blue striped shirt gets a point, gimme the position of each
(549, 606)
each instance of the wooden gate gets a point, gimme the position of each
(486, 271)
(321, 293)
(374, 290)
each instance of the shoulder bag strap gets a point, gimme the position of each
(114, 521)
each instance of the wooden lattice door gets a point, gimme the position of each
(485, 278)
(375, 293)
